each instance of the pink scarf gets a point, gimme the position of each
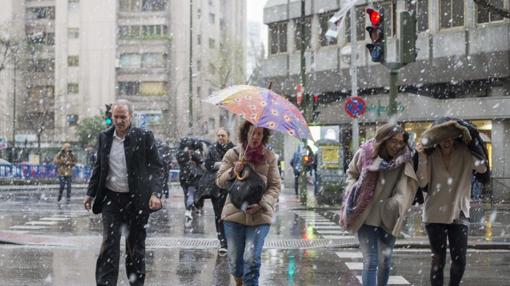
(254, 155)
(360, 195)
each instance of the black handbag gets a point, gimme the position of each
(207, 188)
(248, 188)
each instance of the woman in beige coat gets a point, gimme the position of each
(447, 170)
(246, 230)
(381, 184)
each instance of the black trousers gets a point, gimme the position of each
(457, 236)
(218, 203)
(119, 209)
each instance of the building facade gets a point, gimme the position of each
(80, 55)
(462, 68)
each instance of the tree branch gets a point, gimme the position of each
(493, 9)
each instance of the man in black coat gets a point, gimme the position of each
(125, 187)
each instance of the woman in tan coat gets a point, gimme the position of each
(246, 230)
(447, 170)
(381, 184)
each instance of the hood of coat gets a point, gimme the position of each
(445, 130)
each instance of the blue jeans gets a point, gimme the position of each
(377, 247)
(65, 181)
(245, 245)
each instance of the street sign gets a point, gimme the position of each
(299, 94)
(355, 106)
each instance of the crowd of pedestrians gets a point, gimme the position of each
(384, 179)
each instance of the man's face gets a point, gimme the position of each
(121, 118)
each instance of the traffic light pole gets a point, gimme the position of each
(392, 106)
(353, 69)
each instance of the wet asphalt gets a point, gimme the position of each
(54, 243)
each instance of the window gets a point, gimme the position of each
(154, 60)
(422, 12)
(483, 15)
(41, 95)
(199, 90)
(324, 26)
(451, 13)
(199, 13)
(360, 24)
(199, 65)
(212, 69)
(199, 39)
(41, 38)
(72, 119)
(211, 124)
(153, 88)
(73, 33)
(307, 35)
(73, 61)
(128, 5)
(129, 88)
(212, 43)
(212, 18)
(73, 88)
(146, 32)
(38, 13)
(130, 61)
(153, 5)
(73, 4)
(41, 65)
(278, 37)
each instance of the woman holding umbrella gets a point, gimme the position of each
(446, 167)
(246, 230)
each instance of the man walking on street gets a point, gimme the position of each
(125, 187)
(65, 161)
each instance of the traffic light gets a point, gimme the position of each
(376, 32)
(407, 39)
(108, 115)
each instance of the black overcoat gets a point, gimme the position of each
(144, 168)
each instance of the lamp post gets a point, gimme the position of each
(190, 85)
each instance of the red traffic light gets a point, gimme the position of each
(375, 17)
(315, 98)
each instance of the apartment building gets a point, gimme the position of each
(462, 69)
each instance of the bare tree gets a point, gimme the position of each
(492, 8)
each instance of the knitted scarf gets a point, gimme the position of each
(361, 194)
(254, 155)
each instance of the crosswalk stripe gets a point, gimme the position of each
(354, 265)
(27, 227)
(394, 280)
(41, 223)
(333, 233)
(349, 254)
(330, 227)
(338, 236)
(55, 218)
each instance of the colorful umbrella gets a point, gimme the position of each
(263, 108)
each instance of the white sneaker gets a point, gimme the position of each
(222, 251)
(188, 214)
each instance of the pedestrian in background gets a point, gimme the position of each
(65, 161)
(190, 172)
(217, 194)
(246, 231)
(125, 187)
(445, 167)
(381, 185)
